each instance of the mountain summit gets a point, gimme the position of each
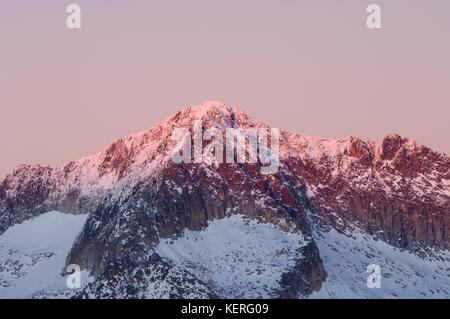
(160, 229)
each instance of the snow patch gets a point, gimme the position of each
(33, 254)
(239, 258)
(404, 274)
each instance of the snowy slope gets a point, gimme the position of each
(404, 274)
(32, 254)
(240, 258)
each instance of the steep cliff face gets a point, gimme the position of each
(138, 196)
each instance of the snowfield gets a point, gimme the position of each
(240, 258)
(404, 274)
(33, 254)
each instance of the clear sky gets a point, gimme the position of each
(311, 67)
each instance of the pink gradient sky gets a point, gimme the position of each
(310, 67)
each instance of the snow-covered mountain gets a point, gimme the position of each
(161, 229)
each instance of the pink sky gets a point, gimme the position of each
(310, 67)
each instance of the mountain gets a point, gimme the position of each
(158, 228)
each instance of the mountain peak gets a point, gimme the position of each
(392, 143)
(212, 114)
(209, 105)
(211, 109)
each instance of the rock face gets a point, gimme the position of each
(137, 195)
(398, 191)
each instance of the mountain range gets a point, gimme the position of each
(140, 225)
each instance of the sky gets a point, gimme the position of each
(311, 67)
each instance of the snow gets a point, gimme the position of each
(32, 254)
(201, 110)
(313, 147)
(241, 258)
(404, 274)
